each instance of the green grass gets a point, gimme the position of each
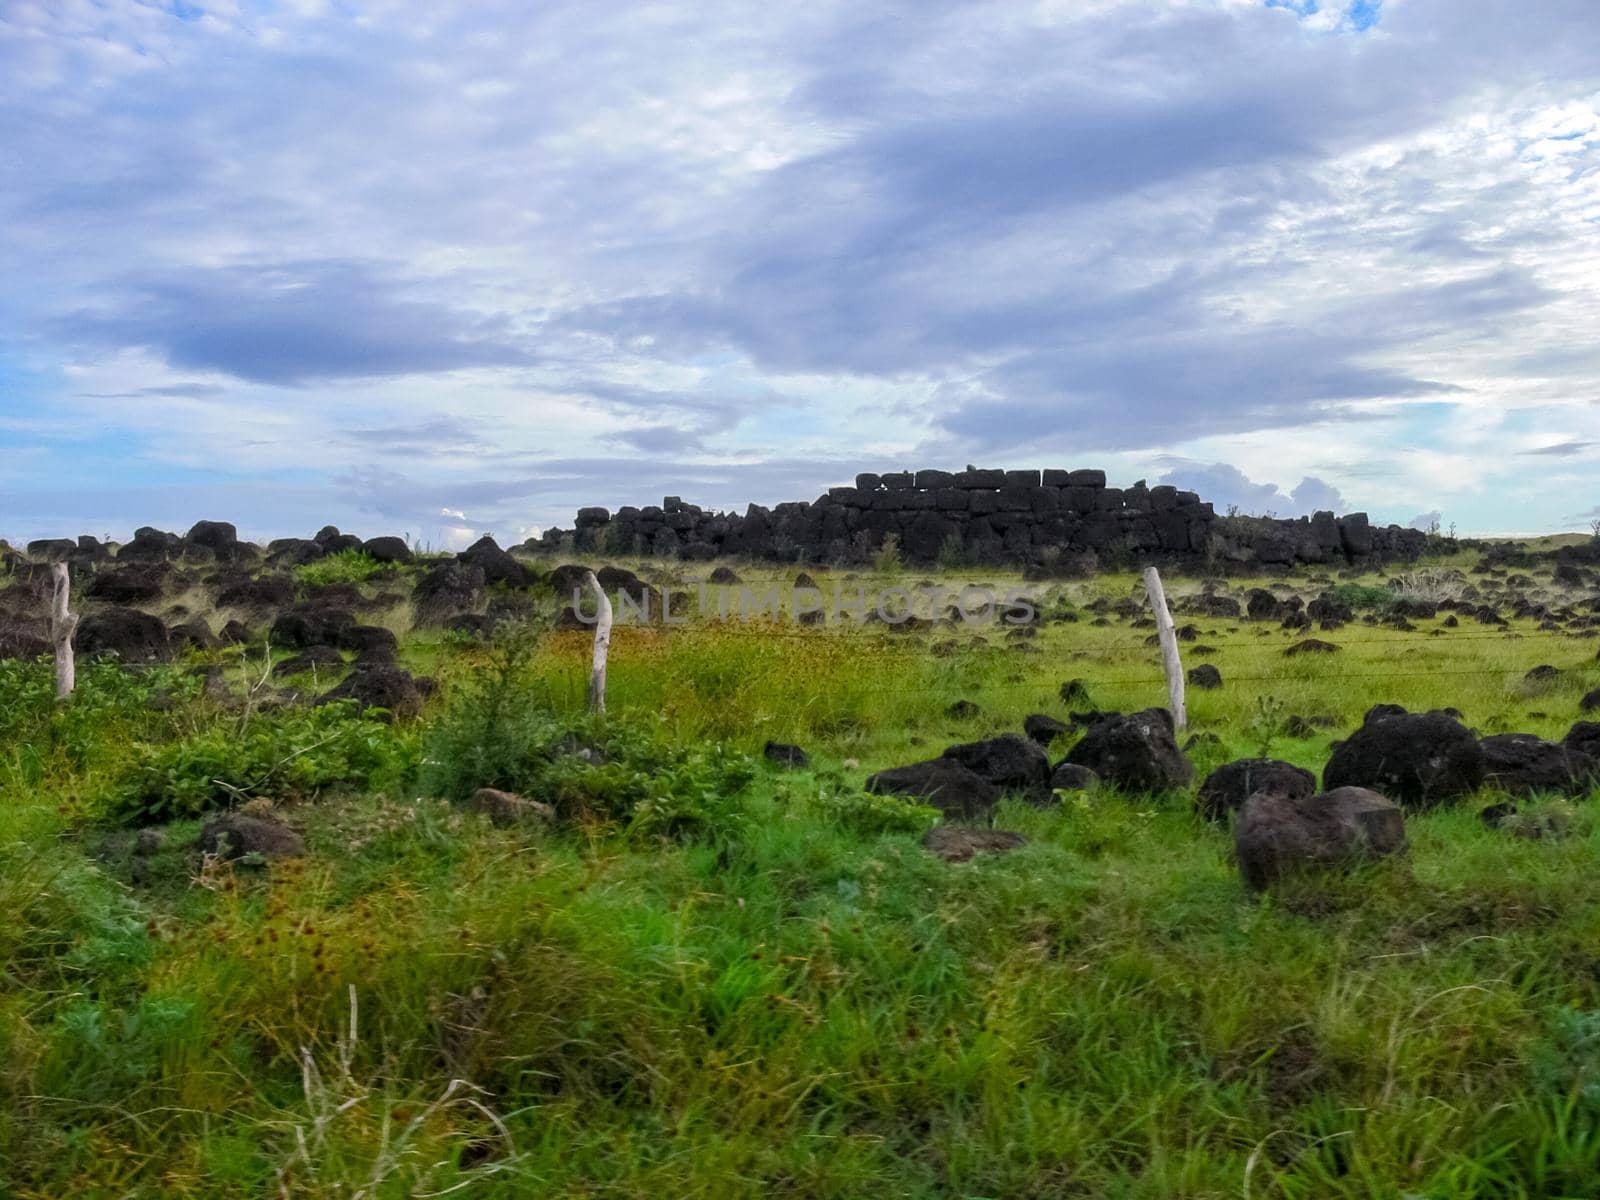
(769, 989)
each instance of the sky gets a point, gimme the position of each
(449, 268)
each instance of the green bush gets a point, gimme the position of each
(867, 814)
(111, 709)
(284, 754)
(347, 566)
(502, 731)
(1361, 595)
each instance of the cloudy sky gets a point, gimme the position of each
(440, 268)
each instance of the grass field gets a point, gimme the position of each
(712, 977)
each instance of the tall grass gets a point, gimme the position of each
(788, 996)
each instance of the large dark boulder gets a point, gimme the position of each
(380, 686)
(1225, 790)
(194, 634)
(387, 549)
(370, 642)
(1525, 765)
(1278, 835)
(942, 782)
(311, 625)
(1011, 762)
(133, 636)
(236, 836)
(497, 566)
(137, 583)
(446, 589)
(1419, 759)
(1043, 728)
(257, 593)
(1134, 753)
(21, 638)
(150, 545)
(1584, 739)
(1262, 605)
(1205, 676)
(784, 754)
(295, 552)
(220, 537)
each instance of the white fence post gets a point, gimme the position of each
(602, 644)
(62, 626)
(1169, 646)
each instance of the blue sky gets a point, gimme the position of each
(453, 267)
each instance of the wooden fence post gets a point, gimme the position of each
(62, 626)
(602, 644)
(1169, 646)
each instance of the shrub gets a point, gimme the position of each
(1362, 595)
(503, 731)
(347, 566)
(285, 754)
(888, 560)
(866, 813)
(1430, 585)
(952, 552)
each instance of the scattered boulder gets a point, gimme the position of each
(387, 549)
(369, 642)
(236, 835)
(785, 755)
(957, 845)
(20, 638)
(479, 625)
(1135, 753)
(963, 710)
(193, 633)
(1310, 646)
(294, 552)
(1044, 729)
(311, 624)
(1279, 835)
(1225, 789)
(942, 782)
(508, 808)
(1011, 762)
(1524, 765)
(1590, 701)
(137, 583)
(1584, 738)
(1205, 676)
(380, 686)
(723, 576)
(220, 537)
(258, 593)
(1420, 759)
(1075, 691)
(449, 587)
(133, 636)
(496, 565)
(1262, 605)
(236, 633)
(1070, 777)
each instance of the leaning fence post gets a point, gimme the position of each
(62, 626)
(602, 643)
(1169, 646)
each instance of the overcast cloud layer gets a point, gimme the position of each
(447, 268)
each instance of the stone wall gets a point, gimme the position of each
(1051, 517)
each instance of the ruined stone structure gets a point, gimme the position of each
(985, 517)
